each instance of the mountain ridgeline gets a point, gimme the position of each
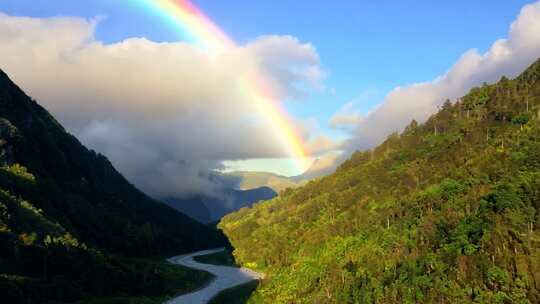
(251, 180)
(207, 209)
(445, 212)
(69, 220)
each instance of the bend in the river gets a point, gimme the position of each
(225, 278)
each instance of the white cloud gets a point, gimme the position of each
(347, 117)
(322, 144)
(290, 64)
(316, 143)
(506, 57)
(165, 113)
(323, 165)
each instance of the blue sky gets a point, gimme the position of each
(365, 46)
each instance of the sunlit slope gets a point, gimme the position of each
(445, 212)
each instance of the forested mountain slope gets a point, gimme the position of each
(445, 212)
(64, 208)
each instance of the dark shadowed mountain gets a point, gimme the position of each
(64, 208)
(193, 207)
(209, 209)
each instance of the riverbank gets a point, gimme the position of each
(226, 277)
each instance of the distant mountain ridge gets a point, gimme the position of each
(207, 209)
(252, 179)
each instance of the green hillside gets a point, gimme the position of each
(71, 226)
(445, 212)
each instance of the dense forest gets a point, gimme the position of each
(446, 211)
(71, 226)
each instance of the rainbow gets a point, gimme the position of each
(192, 22)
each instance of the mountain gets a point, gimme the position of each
(206, 209)
(246, 198)
(193, 207)
(67, 217)
(252, 180)
(445, 212)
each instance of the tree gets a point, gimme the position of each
(521, 119)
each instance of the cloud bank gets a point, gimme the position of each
(164, 113)
(505, 57)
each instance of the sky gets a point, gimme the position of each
(365, 46)
(347, 74)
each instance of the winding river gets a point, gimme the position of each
(225, 277)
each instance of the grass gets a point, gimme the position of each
(175, 280)
(222, 258)
(235, 295)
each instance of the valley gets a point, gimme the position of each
(263, 152)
